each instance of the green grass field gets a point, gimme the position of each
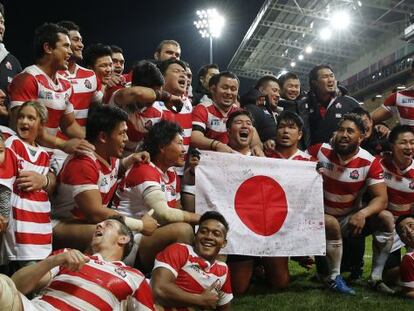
(306, 294)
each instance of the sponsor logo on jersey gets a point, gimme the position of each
(338, 106)
(104, 182)
(354, 174)
(215, 122)
(387, 176)
(88, 84)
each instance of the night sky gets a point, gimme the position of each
(136, 26)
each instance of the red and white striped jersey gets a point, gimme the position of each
(83, 173)
(400, 187)
(87, 89)
(29, 233)
(129, 195)
(344, 182)
(6, 132)
(207, 116)
(194, 274)
(34, 84)
(298, 155)
(407, 270)
(401, 104)
(98, 285)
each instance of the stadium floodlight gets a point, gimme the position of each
(209, 24)
(308, 49)
(340, 20)
(300, 57)
(325, 34)
(292, 64)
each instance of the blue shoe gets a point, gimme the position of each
(339, 285)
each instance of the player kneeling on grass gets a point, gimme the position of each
(27, 178)
(156, 186)
(189, 276)
(405, 229)
(87, 183)
(70, 280)
(347, 170)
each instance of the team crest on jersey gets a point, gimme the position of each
(121, 272)
(88, 84)
(9, 66)
(354, 174)
(148, 125)
(411, 185)
(338, 106)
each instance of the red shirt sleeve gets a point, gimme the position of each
(8, 169)
(313, 150)
(375, 173)
(174, 256)
(407, 271)
(200, 116)
(80, 170)
(390, 100)
(22, 88)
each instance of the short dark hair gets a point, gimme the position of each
(94, 51)
(46, 33)
(165, 42)
(216, 216)
(236, 113)
(146, 73)
(265, 79)
(163, 66)
(103, 118)
(287, 76)
(124, 230)
(313, 74)
(290, 117)
(353, 117)
(203, 71)
(226, 74)
(160, 135)
(400, 219)
(69, 25)
(361, 112)
(116, 49)
(397, 130)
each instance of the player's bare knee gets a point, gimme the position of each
(332, 228)
(184, 233)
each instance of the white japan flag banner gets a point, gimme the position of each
(274, 207)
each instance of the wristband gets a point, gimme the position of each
(47, 183)
(211, 144)
(190, 189)
(134, 224)
(162, 96)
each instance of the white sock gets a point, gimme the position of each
(381, 247)
(334, 257)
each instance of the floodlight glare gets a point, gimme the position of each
(211, 23)
(325, 34)
(308, 49)
(300, 57)
(340, 20)
(292, 64)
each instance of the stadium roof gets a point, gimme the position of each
(283, 29)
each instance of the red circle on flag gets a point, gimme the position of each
(260, 202)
